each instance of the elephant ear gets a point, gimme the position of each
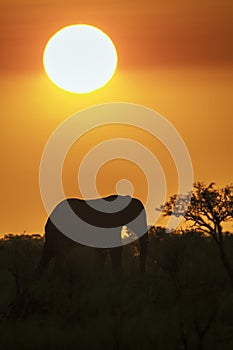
(137, 214)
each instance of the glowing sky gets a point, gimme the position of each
(174, 56)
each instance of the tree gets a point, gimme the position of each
(208, 209)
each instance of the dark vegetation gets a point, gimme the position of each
(183, 301)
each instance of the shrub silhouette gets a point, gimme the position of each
(184, 300)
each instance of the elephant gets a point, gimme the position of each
(101, 221)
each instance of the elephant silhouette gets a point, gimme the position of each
(97, 223)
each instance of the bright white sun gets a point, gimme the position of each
(80, 58)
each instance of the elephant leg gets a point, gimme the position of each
(59, 262)
(116, 257)
(143, 252)
(63, 248)
(100, 257)
(45, 259)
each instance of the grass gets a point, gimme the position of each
(183, 301)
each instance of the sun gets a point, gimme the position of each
(80, 58)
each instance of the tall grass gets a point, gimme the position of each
(183, 301)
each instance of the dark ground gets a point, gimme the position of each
(183, 301)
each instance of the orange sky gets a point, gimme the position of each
(174, 56)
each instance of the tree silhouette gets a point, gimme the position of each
(209, 208)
